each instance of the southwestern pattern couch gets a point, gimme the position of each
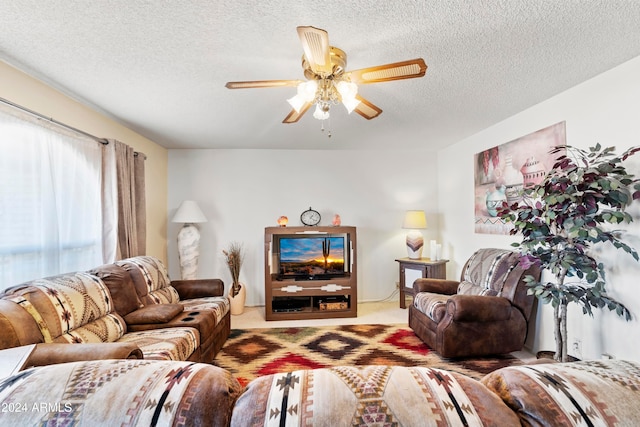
(131, 302)
(142, 392)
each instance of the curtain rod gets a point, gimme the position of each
(54, 121)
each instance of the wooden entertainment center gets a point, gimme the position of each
(313, 288)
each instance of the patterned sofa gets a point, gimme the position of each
(142, 392)
(119, 393)
(129, 303)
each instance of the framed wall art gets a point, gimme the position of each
(502, 172)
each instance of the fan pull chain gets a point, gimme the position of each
(328, 129)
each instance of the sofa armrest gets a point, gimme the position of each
(478, 308)
(52, 353)
(436, 286)
(17, 326)
(200, 288)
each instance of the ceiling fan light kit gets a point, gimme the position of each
(327, 81)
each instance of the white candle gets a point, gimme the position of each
(432, 249)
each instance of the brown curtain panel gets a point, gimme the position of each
(131, 201)
(140, 202)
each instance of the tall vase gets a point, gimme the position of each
(237, 302)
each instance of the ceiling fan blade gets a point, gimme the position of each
(294, 116)
(262, 83)
(366, 109)
(385, 73)
(315, 43)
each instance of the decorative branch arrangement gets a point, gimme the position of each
(234, 257)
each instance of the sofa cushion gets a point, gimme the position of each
(60, 304)
(218, 305)
(578, 393)
(151, 280)
(468, 288)
(121, 287)
(370, 395)
(157, 313)
(432, 305)
(165, 344)
(120, 392)
(105, 329)
(489, 269)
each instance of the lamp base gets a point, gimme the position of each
(188, 253)
(415, 244)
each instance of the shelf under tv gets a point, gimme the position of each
(311, 296)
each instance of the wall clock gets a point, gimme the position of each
(310, 217)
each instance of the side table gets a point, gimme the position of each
(418, 268)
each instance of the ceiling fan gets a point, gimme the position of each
(328, 83)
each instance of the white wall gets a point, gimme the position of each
(243, 191)
(605, 109)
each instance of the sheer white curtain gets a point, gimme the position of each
(50, 200)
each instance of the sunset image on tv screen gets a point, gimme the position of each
(311, 255)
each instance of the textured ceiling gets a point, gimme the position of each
(160, 66)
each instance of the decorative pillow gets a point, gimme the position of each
(121, 287)
(156, 313)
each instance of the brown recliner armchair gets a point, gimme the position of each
(486, 312)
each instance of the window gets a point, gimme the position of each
(50, 200)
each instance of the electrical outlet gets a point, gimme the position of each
(576, 348)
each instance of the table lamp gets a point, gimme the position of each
(188, 213)
(414, 221)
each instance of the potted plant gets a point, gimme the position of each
(234, 256)
(573, 209)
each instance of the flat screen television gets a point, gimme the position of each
(312, 257)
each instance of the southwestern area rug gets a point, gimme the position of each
(250, 353)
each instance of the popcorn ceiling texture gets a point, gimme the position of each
(160, 67)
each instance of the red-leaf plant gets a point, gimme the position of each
(565, 216)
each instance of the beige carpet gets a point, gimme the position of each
(249, 353)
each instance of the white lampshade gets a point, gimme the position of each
(320, 114)
(306, 93)
(414, 220)
(296, 102)
(189, 213)
(350, 104)
(348, 93)
(307, 90)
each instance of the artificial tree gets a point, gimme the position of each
(562, 218)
